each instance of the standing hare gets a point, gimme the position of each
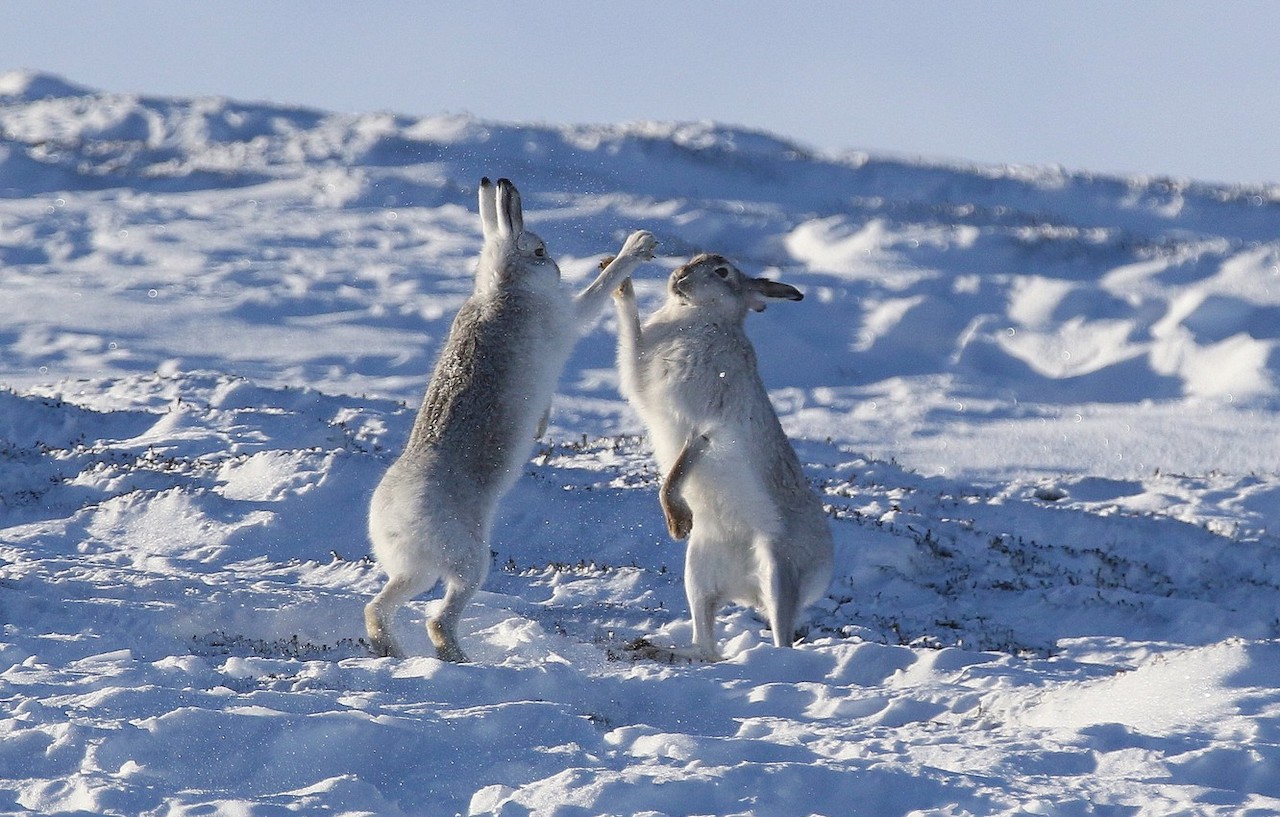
(432, 513)
(731, 481)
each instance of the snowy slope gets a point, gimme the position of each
(1040, 406)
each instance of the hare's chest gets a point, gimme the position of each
(696, 365)
(683, 353)
(675, 364)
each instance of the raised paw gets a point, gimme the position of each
(625, 290)
(640, 244)
(679, 517)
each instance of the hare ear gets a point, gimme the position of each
(759, 289)
(488, 210)
(510, 213)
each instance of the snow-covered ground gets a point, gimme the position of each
(1041, 409)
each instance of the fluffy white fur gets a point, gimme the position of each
(432, 513)
(732, 482)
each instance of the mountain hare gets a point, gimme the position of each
(432, 513)
(732, 482)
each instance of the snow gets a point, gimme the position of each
(1040, 408)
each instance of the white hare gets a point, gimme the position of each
(731, 480)
(432, 513)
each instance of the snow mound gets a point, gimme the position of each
(34, 86)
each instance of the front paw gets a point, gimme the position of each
(679, 528)
(640, 244)
(625, 291)
(679, 519)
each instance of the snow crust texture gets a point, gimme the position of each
(1040, 408)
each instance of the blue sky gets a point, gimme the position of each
(1176, 88)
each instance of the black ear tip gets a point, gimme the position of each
(787, 292)
(484, 181)
(778, 290)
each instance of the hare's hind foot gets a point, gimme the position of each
(385, 649)
(380, 613)
(446, 643)
(381, 643)
(443, 627)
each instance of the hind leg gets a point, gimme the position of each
(704, 600)
(781, 596)
(703, 609)
(443, 629)
(459, 588)
(380, 612)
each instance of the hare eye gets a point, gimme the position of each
(723, 272)
(541, 252)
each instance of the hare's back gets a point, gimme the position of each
(491, 384)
